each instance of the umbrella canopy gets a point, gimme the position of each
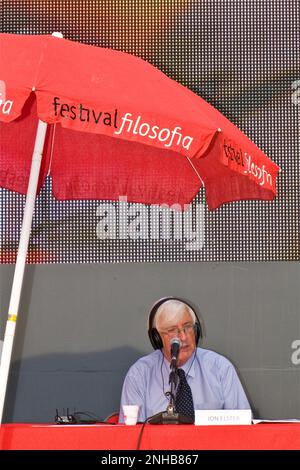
(125, 129)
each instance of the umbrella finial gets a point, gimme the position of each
(57, 35)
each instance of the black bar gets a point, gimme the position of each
(135, 459)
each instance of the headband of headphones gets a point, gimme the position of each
(153, 333)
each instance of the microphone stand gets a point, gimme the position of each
(170, 416)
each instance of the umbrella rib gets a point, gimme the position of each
(196, 171)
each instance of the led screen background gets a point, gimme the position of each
(81, 326)
(242, 57)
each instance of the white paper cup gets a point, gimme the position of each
(130, 414)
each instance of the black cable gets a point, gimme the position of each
(141, 432)
(93, 417)
(77, 417)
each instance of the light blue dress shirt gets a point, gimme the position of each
(213, 380)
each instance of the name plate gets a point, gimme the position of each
(221, 417)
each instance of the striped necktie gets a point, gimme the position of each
(184, 399)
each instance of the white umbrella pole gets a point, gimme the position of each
(20, 262)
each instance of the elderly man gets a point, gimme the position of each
(209, 380)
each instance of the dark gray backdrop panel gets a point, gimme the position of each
(82, 326)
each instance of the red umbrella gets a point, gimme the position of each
(125, 129)
(145, 135)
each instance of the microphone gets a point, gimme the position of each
(175, 348)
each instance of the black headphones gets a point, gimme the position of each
(153, 333)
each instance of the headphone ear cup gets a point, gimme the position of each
(155, 339)
(198, 332)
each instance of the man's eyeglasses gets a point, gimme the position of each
(174, 331)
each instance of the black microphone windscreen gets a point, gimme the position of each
(175, 346)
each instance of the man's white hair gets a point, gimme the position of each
(171, 312)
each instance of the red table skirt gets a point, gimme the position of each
(171, 437)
